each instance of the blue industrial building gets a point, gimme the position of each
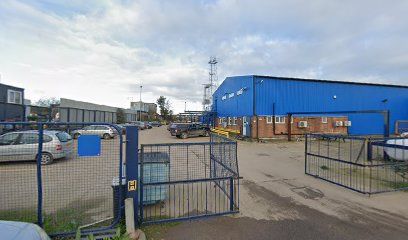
(246, 97)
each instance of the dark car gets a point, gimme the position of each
(171, 126)
(122, 127)
(155, 124)
(190, 130)
(148, 125)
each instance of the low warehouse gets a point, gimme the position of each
(258, 106)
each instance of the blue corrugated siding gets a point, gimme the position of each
(308, 96)
(238, 105)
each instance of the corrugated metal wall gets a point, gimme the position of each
(237, 105)
(306, 96)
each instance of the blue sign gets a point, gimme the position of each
(89, 145)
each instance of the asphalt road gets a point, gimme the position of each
(278, 201)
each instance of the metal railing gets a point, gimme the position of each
(361, 164)
(180, 181)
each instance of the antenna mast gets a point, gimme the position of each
(209, 87)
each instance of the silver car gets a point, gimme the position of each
(104, 131)
(23, 146)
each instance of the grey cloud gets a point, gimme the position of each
(166, 44)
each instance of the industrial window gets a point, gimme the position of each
(324, 119)
(220, 120)
(269, 119)
(234, 121)
(279, 119)
(229, 120)
(14, 97)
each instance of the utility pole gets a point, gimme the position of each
(140, 103)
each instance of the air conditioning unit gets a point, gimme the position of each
(302, 124)
(338, 124)
(347, 123)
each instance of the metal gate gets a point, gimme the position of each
(180, 181)
(61, 184)
(362, 164)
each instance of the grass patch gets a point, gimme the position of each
(157, 231)
(395, 185)
(324, 167)
(67, 219)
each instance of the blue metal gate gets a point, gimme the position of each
(60, 183)
(180, 181)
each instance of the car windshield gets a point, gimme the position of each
(63, 136)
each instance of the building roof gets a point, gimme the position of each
(10, 86)
(331, 81)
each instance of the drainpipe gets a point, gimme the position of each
(289, 127)
(254, 108)
(273, 119)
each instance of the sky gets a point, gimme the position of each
(101, 51)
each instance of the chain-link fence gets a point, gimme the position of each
(60, 176)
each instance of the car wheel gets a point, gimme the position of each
(76, 135)
(184, 135)
(106, 136)
(46, 159)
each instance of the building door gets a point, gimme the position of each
(246, 127)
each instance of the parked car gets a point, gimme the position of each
(399, 154)
(141, 125)
(190, 130)
(104, 131)
(23, 146)
(148, 125)
(404, 134)
(155, 124)
(172, 127)
(11, 230)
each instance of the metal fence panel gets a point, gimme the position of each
(364, 165)
(45, 181)
(188, 180)
(18, 179)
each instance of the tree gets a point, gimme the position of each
(47, 102)
(164, 107)
(120, 116)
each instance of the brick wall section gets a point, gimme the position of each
(238, 125)
(265, 129)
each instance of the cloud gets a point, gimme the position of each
(101, 51)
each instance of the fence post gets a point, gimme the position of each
(211, 147)
(39, 175)
(231, 194)
(132, 164)
(306, 145)
(369, 150)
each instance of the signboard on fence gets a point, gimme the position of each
(89, 146)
